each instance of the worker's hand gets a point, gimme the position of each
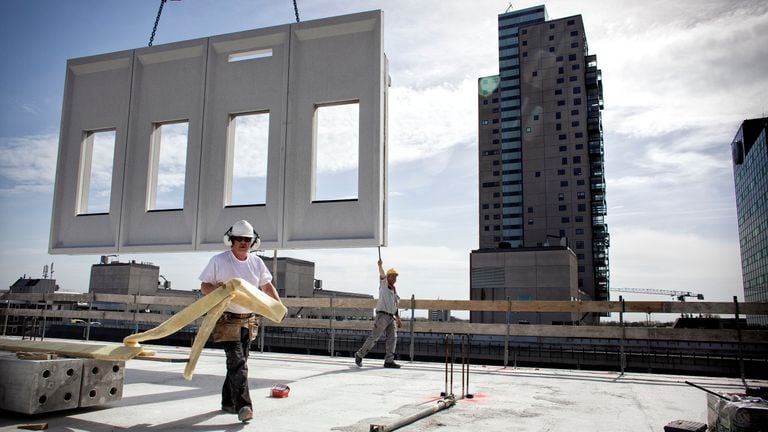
(380, 262)
(207, 288)
(398, 322)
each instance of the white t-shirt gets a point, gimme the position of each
(225, 266)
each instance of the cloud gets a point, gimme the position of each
(426, 271)
(250, 145)
(28, 164)
(337, 138)
(424, 122)
(644, 258)
(659, 79)
(430, 43)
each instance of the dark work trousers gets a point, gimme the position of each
(234, 392)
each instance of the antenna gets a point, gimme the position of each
(508, 7)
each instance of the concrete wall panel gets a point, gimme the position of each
(336, 60)
(310, 64)
(249, 86)
(168, 85)
(96, 98)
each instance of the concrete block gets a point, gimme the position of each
(685, 426)
(39, 386)
(102, 382)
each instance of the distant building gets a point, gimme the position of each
(750, 173)
(25, 285)
(296, 278)
(132, 278)
(540, 143)
(524, 274)
(124, 278)
(292, 278)
(440, 315)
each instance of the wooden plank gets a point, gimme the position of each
(73, 349)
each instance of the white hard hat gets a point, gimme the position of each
(242, 228)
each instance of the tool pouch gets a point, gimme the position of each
(228, 329)
(253, 327)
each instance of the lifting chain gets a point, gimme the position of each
(157, 21)
(160, 12)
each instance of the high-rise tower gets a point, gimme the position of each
(750, 173)
(541, 145)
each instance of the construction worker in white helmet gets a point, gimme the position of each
(238, 326)
(387, 319)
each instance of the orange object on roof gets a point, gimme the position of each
(280, 390)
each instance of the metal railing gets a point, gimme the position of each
(47, 308)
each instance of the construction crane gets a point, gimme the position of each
(681, 295)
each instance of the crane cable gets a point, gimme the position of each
(157, 21)
(296, 9)
(160, 11)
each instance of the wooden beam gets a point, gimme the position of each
(73, 349)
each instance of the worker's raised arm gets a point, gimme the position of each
(382, 275)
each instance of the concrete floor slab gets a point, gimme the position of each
(332, 394)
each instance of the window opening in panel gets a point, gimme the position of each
(336, 152)
(96, 166)
(247, 150)
(250, 55)
(167, 166)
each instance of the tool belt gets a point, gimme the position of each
(227, 328)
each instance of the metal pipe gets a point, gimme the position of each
(445, 347)
(440, 405)
(506, 337)
(453, 360)
(90, 308)
(413, 321)
(465, 356)
(622, 358)
(44, 315)
(332, 346)
(463, 360)
(708, 391)
(738, 343)
(7, 312)
(262, 330)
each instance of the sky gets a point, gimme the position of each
(679, 77)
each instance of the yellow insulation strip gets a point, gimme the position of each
(235, 291)
(181, 319)
(248, 296)
(202, 336)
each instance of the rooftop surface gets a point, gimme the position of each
(333, 394)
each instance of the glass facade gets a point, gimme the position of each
(510, 109)
(750, 172)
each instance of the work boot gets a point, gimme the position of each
(392, 365)
(358, 360)
(245, 414)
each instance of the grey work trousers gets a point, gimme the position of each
(385, 323)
